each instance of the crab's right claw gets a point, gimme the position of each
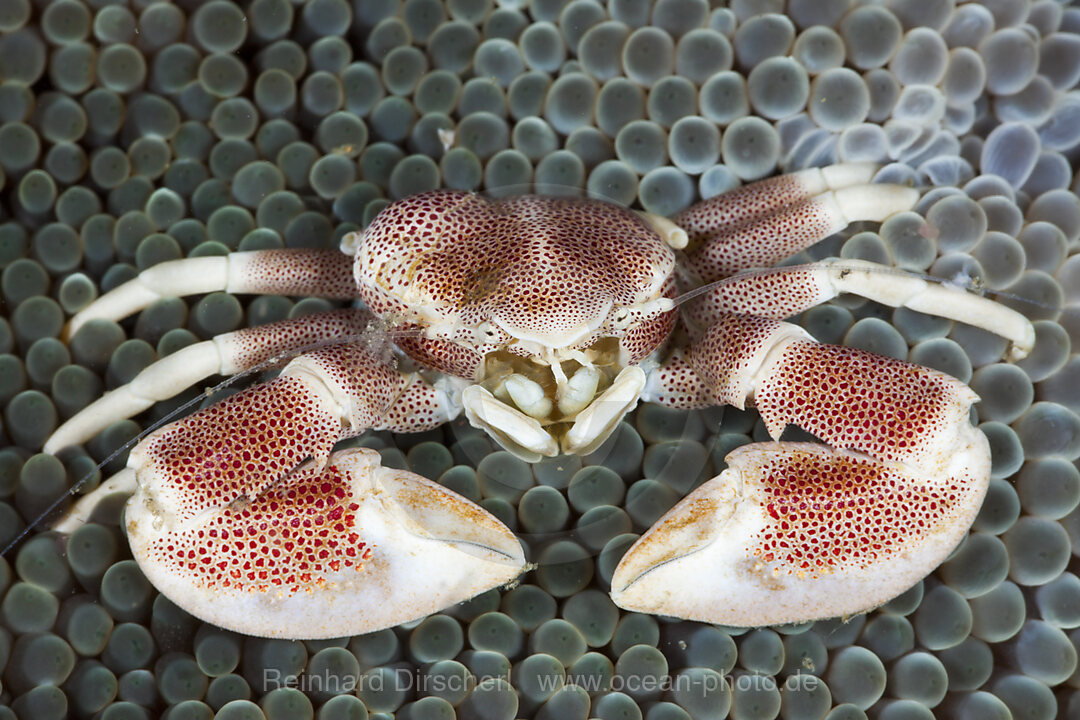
(793, 532)
(332, 551)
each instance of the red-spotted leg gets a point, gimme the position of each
(226, 525)
(760, 224)
(785, 291)
(226, 354)
(782, 292)
(791, 531)
(323, 273)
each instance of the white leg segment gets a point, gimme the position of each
(160, 381)
(782, 292)
(674, 236)
(226, 354)
(324, 273)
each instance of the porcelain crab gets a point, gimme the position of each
(545, 320)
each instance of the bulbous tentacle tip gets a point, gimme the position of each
(344, 549)
(793, 532)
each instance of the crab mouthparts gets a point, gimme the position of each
(536, 414)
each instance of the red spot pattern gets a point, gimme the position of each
(676, 385)
(739, 206)
(776, 293)
(829, 512)
(368, 382)
(419, 407)
(730, 352)
(287, 540)
(454, 358)
(854, 399)
(239, 446)
(644, 336)
(324, 273)
(763, 241)
(255, 345)
(270, 527)
(539, 266)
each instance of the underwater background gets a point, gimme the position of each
(133, 133)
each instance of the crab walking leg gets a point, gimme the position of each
(82, 510)
(764, 240)
(729, 210)
(325, 273)
(226, 354)
(794, 532)
(782, 292)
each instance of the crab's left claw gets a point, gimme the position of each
(792, 532)
(343, 549)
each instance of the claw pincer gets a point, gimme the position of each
(795, 531)
(338, 549)
(225, 526)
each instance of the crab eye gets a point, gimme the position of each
(487, 331)
(624, 318)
